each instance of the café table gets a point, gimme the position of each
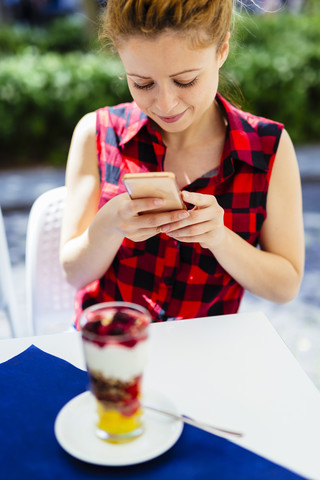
(233, 371)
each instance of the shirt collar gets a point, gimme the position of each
(242, 139)
(132, 127)
(136, 120)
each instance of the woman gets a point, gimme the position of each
(238, 173)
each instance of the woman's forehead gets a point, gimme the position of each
(147, 59)
(167, 46)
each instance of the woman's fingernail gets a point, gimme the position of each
(158, 202)
(165, 228)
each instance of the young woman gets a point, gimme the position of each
(238, 174)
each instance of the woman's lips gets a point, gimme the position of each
(173, 118)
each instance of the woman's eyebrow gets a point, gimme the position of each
(173, 75)
(185, 71)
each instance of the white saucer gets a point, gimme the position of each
(75, 431)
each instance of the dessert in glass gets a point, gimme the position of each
(115, 342)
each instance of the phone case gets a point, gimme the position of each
(157, 185)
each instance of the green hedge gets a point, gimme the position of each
(43, 97)
(277, 66)
(43, 92)
(65, 34)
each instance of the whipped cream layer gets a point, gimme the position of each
(116, 361)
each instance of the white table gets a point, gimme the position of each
(233, 371)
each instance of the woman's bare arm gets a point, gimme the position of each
(85, 251)
(91, 238)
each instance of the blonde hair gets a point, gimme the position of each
(204, 22)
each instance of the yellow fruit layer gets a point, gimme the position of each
(114, 423)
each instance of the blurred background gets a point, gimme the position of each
(53, 70)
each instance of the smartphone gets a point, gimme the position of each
(155, 184)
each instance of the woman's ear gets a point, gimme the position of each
(224, 50)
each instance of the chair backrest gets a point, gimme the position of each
(8, 301)
(49, 298)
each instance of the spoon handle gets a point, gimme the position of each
(194, 423)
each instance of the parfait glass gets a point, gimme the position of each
(115, 343)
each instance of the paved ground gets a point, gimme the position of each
(298, 322)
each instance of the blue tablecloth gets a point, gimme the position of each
(34, 386)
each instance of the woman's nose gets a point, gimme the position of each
(166, 100)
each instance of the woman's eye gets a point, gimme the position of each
(150, 85)
(143, 87)
(186, 85)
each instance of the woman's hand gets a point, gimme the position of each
(204, 224)
(126, 221)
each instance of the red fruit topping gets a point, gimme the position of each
(124, 318)
(115, 323)
(116, 331)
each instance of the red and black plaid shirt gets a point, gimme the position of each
(176, 280)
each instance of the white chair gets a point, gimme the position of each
(8, 301)
(49, 297)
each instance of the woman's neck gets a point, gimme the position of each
(208, 130)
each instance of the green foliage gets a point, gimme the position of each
(43, 96)
(276, 64)
(65, 34)
(50, 78)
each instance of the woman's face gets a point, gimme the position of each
(175, 85)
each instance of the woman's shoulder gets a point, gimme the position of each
(117, 117)
(116, 123)
(252, 138)
(85, 128)
(126, 113)
(263, 126)
(239, 118)
(108, 116)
